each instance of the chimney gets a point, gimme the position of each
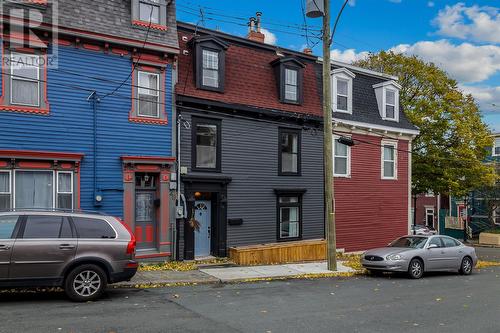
(254, 27)
(307, 51)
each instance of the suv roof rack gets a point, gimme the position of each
(56, 210)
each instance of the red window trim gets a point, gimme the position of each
(20, 108)
(161, 98)
(145, 24)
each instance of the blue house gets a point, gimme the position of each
(86, 111)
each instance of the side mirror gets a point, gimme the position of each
(432, 246)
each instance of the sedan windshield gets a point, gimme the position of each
(409, 242)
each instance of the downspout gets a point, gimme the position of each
(95, 99)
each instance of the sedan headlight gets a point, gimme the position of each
(394, 257)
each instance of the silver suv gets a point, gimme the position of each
(80, 252)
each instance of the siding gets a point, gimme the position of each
(250, 157)
(371, 212)
(69, 126)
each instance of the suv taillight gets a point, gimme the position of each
(132, 243)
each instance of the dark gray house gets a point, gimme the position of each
(250, 152)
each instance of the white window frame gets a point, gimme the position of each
(348, 170)
(14, 77)
(34, 170)
(72, 188)
(431, 209)
(296, 86)
(395, 162)
(218, 70)
(495, 146)
(396, 104)
(345, 75)
(156, 94)
(10, 186)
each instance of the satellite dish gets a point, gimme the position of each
(315, 8)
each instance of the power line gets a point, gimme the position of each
(134, 66)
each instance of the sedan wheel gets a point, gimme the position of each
(466, 267)
(416, 269)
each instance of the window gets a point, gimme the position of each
(387, 94)
(436, 241)
(289, 217)
(149, 10)
(93, 228)
(210, 68)
(449, 242)
(206, 144)
(7, 225)
(289, 153)
(5, 190)
(24, 79)
(148, 95)
(390, 104)
(342, 80)
(38, 189)
(43, 226)
(496, 147)
(65, 190)
(341, 159)
(289, 76)
(210, 55)
(34, 189)
(389, 155)
(291, 85)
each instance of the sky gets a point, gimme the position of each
(461, 37)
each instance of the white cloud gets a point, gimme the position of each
(395, 1)
(352, 3)
(347, 56)
(475, 22)
(464, 62)
(488, 97)
(269, 37)
(430, 4)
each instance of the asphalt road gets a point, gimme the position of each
(437, 303)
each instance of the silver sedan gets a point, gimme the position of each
(419, 254)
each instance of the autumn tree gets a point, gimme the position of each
(448, 153)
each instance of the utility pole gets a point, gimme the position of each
(331, 246)
(314, 10)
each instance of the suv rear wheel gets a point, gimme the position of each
(85, 283)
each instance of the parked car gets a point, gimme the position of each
(80, 252)
(423, 230)
(419, 254)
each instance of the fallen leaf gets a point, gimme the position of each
(438, 299)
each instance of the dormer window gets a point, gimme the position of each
(387, 94)
(289, 77)
(210, 62)
(150, 14)
(342, 90)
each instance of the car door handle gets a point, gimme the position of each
(4, 247)
(66, 247)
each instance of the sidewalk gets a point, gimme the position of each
(230, 274)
